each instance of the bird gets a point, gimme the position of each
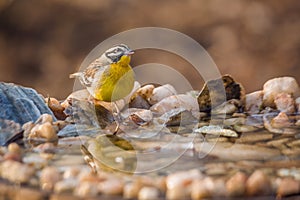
(110, 77)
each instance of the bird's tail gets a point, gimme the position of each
(75, 75)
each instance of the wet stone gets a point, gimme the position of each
(228, 154)
(21, 104)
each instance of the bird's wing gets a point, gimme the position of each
(89, 75)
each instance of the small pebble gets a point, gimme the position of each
(146, 91)
(13, 156)
(86, 189)
(227, 107)
(178, 193)
(281, 120)
(66, 185)
(288, 186)
(279, 85)
(219, 188)
(56, 108)
(297, 102)
(14, 148)
(140, 116)
(179, 183)
(139, 102)
(59, 125)
(131, 190)
(216, 130)
(16, 172)
(111, 187)
(49, 177)
(254, 102)
(182, 178)
(161, 92)
(148, 193)
(46, 147)
(27, 127)
(45, 131)
(285, 103)
(71, 172)
(44, 118)
(258, 184)
(236, 185)
(183, 101)
(202, 188)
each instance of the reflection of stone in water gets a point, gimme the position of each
(113, 153)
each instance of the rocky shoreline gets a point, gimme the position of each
(232, 144)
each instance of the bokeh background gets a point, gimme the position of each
(42, 42)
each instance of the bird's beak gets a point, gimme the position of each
(129, 52)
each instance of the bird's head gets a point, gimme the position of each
(115, 53)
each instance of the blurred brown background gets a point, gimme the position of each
(42, 42)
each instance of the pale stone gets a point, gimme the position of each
(161, 92)
(254, 102)
(285, 103)
(279, 85)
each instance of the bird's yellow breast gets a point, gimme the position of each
(116, 82)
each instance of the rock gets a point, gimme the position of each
(161, 92)
(297, 102)
(288, 186)
(254, 102)
(14, 148)
(131, 190)
(44, 118)
(182, 178)
(228, 107)
(71, 172)
(285, 103)
(43, 131)
(258, 184)
(66, 185)
(140, 117)
(14, 153)
(16, 172)
(85, 112)
(236, 185)
(139, 102)
(49, 177)
(279, 85)
(178, 184)
(86, 189)
(216, 130)
(21, 104)
(56, 107)
(281, 121)
(8, 129)
(218, 91)
(184, 101)
(146, 91)
(148, 193)
(73, 130)
(111, 186)
(178, 193)
(279, 124)
(178, 117)
(141, 98)
(201, 189)
(13, 156)
(45, 148)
